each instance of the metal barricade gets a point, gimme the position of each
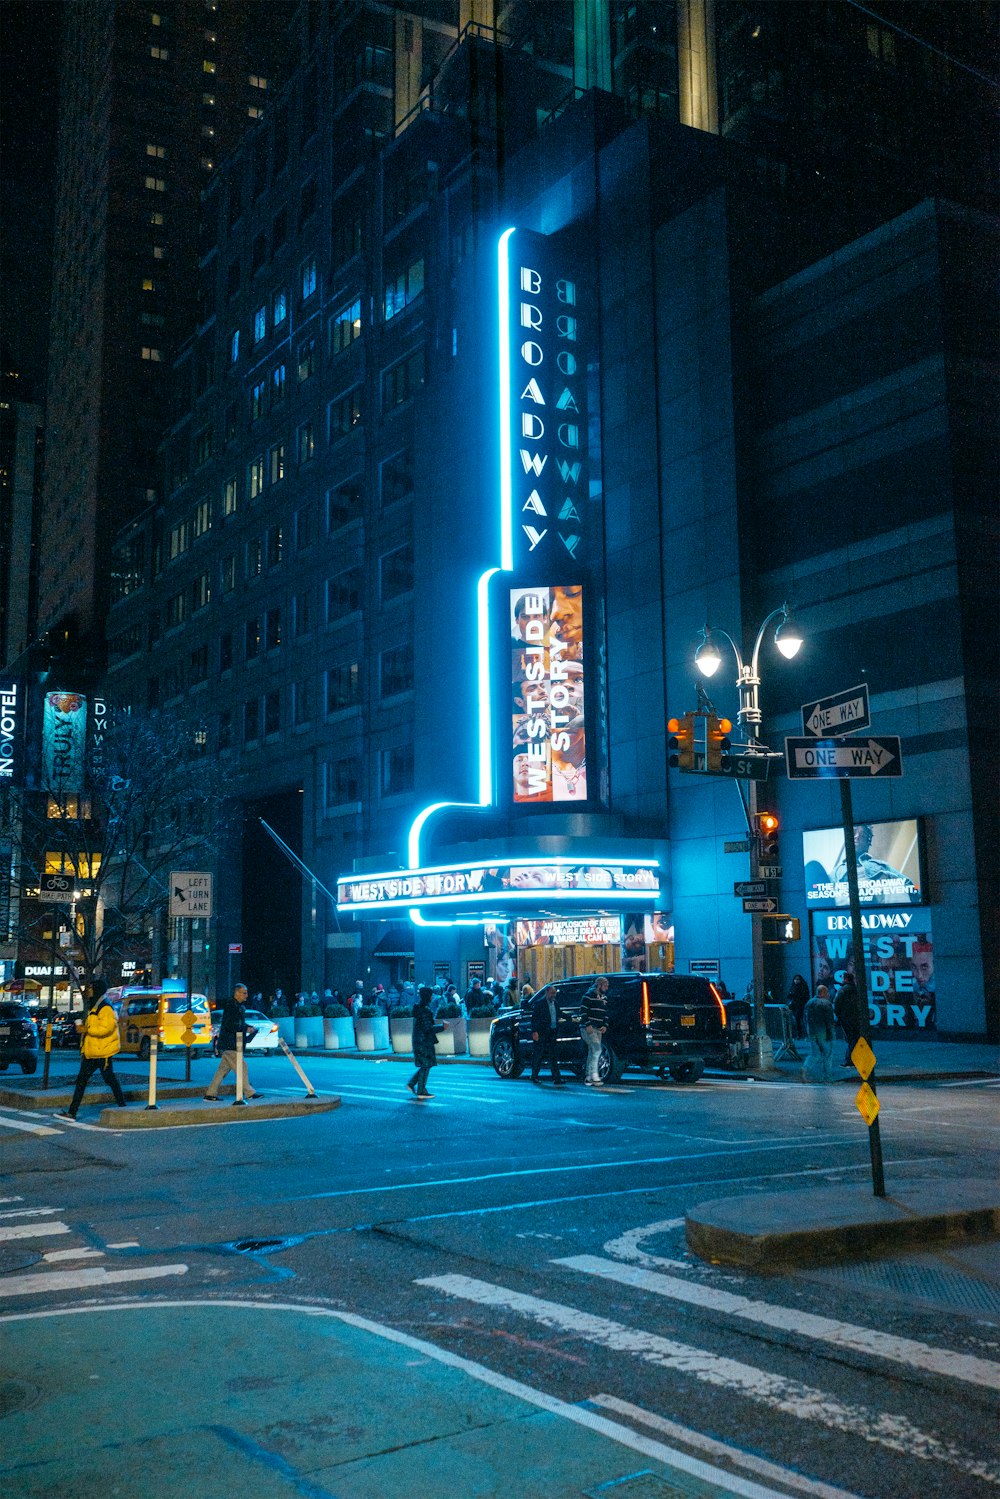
(780, 1025)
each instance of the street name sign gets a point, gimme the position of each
(190, 893)
(737, 846)
(843, 759)
(765, 906)
(745, 767)
(769, 871)
(750, 887)
(841, 713)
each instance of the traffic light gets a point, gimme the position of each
(717, 742)
(680, 745)
(775, 929)
(768, 827)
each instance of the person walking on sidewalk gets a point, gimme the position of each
(424, 1041)
(594, 1023)
(847, 1008)
(796, 1000)
(544, 1026)
(820, 1023)
(99, 1042)
(233, 1024)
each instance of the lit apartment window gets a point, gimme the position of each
(147, 283)
(155, 356)
(208, 131)
(208, 66)
(155, 20)
(158, 151)
(278, 383)
(208, 163)
(159, 253)
(307, 360)
(255, 559)
(277, 463)
(160, 53)
(307, 442)
(155, 217)
(256, 81)
(280, 307)
(208, 99)
(156, 184)
(254, 112)
(229, 497)
(200, 593)
(234, 346)
(258, 400)
(403, 289)
(255, 477)
(203, 517)
(259, 324)
(346, 327)
(178, 542)
(308, 279)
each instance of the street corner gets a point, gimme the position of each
(179, 1113)
(338, 1407)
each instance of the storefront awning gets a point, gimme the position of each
(396, 943)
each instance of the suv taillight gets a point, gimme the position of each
(644, 1012)
(718, 1001)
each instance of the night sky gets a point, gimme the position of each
(29, 32)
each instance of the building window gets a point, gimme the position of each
(232, 280)
(198, 665)
(226, 651)
(225, 729)
(258, 400)
(160, 53)
(232, 420)
(396, 571)
(175, 610)
(274, 546)
(158, 151)
(255, 477)
(155, 356)
(178, 540)
(346, 326)
(342, 782)
(300, 614)
(260, 325)
(397, 770)
(272, 714)
(343, 504)
(227, 573)
(251, 721)
(234, 346)
(402, 381)
(343, 687)
(203, 444)
(202, 517)
(256, 81)
(280, 308)
(343, 593)
(277, 462)
(346, 237)
(397, 478)
(201, 592)
(278, 383)
(251, 638)
(208, 66)
(307, 202)
(254, 112)
(308, 279)
(258, 255)
(307, 442)
(302, 695)
(303, 528)
(272, 629)
(344, 414)
(229, 497)
(396, 671)
(403, 289)
(255, 558)
(307, 360)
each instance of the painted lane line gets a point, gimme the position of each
(864, 1340)
(10, 1231)
(125, 1244)
(55, 1255)
(11, 1199)
(29, 1129)
(30, 1212)
(80, 1280)
(626, 1247)
(787, 1477)
(624, 1436)
(789, 1396)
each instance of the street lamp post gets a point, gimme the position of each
(708, 659)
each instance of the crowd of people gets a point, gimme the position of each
(388, 1000)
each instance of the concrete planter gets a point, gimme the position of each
(372, 1033)
(479, 1028)
(451, 1041)
(286, 1029)
(308, 1030)
(338, 1033)
(401, 1034)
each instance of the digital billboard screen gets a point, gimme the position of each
(548, 727)
(890, 870)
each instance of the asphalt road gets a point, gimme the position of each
(504, 1299)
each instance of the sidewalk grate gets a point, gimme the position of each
(908, 1280)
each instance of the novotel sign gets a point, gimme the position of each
(11, 731)
(490, 888)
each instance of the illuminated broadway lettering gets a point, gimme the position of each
(534, 503)
(533, 462)
(568, 472)
(569, 511)
(532, 393)
(571, 543)
(567, 401)
(534, 536)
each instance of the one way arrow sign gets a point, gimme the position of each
(190, 893)
(765, 906)
(843, 759)
(841, 713)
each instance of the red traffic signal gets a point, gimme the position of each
(768, 827)
(680, 745)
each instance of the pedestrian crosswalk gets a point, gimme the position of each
(637, 1339)
(28, 1228)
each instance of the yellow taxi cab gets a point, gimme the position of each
(141, 1012)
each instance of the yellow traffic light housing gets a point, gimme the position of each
(717, 742)
(680, 744)
(768, 827)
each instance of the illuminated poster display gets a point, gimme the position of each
(64, 735)
(549, 736)
(583, 931)
(889, 866)
(899, 964)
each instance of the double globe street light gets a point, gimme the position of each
(708, 659)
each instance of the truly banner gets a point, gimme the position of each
(64, 738)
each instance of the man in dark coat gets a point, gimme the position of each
(796, 1000)
(544, 1024)
(424, 1042)
(847, 1008)
(233, 1024)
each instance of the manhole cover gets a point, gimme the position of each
(13, 1258)
(16, 1396)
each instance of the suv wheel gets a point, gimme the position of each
(29, 1066)
(610, 1067)
(505, 1059)
(688, 1071)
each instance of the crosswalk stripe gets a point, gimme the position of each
(83, 1279)
(787, 1477)
(30, 1212)
(10, 1231)
(55, 1255)
(863, 1340)
(789, 1396)
(29, 1129)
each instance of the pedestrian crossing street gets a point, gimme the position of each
(70, 1267)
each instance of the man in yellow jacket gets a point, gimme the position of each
(99, 1042)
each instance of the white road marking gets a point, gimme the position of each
(125, 1244)
(11, 1199)
(864, 1340)
(774, 1391)
(30, 1212)
(54, 1255)
(625, 1436)
(29, 1129)
(627, 1246)
(973, 1082)
(787, 1477)
(79, 1280)
(10, 1231)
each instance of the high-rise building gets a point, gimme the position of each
(151, 97)
(21, 455)
(504, 368)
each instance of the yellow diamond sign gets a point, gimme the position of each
(187, 1035)
(863, 1058)
(866, 1104)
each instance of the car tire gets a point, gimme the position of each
(29, 1066)
(610, 1067)
(4, 1066)
(688, 1071)
(144, 1049)
(506, 1063)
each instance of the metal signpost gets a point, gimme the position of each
(190, 900)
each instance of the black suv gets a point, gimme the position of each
(669, 1022)
(18, 1036)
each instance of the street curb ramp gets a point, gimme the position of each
(780, 1230)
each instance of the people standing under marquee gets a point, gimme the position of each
(544, 1029)
(425, 1031)
(594, 1023)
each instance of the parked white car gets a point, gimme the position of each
(266, 1038)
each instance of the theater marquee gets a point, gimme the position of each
(496, 888)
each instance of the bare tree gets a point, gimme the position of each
(147, 799)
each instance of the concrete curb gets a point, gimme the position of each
(778, 1230)
(216, 1113)
(59, 1098)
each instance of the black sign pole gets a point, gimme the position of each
(190, 995)
(860, 976)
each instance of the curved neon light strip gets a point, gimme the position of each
(506, 564)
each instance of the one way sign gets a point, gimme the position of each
(190, 893)
(843, 759)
